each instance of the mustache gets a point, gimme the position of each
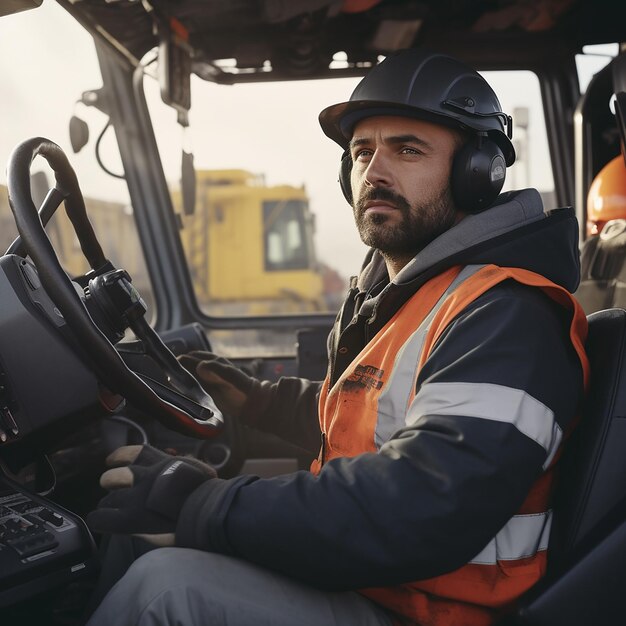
(381, 193)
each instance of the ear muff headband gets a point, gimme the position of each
(477, 176)
(345, 169)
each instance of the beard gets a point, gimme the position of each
(420, 224)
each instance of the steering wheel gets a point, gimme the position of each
(105, 295)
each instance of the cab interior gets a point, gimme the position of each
(91, 323)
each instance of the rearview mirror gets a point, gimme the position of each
(79, 133)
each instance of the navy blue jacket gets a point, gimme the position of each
(436, 492)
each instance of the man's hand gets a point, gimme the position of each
(148, 489)
(230, 387)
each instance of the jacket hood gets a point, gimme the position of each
(514, 232)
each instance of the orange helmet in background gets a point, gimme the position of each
(606, 199)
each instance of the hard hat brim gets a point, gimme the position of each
(338, 121)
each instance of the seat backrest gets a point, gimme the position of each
(587, 561)
(593, 467)
(603, 269)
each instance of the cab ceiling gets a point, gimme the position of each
(294, 39)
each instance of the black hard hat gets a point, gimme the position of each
(428, 86)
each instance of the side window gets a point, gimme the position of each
(272, 233)
(41, 105)
(592, 60)
(520, 97)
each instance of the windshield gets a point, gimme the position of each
(295, 239)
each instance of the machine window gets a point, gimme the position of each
(286, 246)
(106, 198)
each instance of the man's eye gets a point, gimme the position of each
(409, 150)
(359, 155)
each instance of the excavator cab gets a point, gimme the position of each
(160, 197)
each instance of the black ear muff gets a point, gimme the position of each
(345, 169)
(478, 174)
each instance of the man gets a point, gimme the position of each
(602, 252)
(456, 369)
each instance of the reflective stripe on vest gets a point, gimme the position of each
(379, 387)
(399, 390)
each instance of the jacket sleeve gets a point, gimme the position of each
(289, 409)
(440, 489)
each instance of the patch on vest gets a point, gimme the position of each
(364, 377)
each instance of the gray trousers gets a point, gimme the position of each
(182, 587)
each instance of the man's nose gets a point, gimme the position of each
(378, 172)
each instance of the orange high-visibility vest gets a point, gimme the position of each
(470, 595)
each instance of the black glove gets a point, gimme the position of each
(148, 489)
(234, 392)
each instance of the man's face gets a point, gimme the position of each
(401, 183)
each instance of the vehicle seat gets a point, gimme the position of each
(603, 269)
(587, 562)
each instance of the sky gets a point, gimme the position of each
(47, 61)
